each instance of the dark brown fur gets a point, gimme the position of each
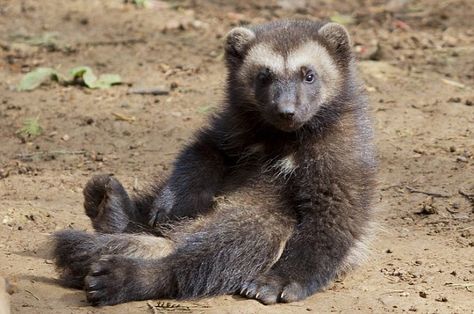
(251, 206)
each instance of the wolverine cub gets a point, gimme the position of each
(271, 200)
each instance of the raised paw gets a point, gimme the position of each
(270, 289)
(106, 203)
(73, 253)
(110, 281)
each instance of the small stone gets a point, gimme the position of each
(469, 102)
(455, 99)
(4, 173)
(65, 137)
(441, 299)
(198, 24)
(98, 157)
(84, 21)
(427, 207)
(423, 294)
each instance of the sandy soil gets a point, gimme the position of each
(417, 61)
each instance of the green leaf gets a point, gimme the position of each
(142, 3)
(342, 19)
(31, 128)
(85, 73)
(206, 109)
(106, 81)
(91, 81)
(37, 77)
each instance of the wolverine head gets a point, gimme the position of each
(287, 71)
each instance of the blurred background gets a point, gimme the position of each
(117, 86)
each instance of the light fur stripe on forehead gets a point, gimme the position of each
(264, 55)
(308, 54)
(313, 54)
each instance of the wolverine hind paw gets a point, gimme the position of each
(273, 289)
(106, 202)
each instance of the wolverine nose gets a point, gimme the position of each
(286, 112)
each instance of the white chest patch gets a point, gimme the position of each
(285, 166)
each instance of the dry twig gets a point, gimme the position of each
(433, 194)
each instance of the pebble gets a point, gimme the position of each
(455, 99)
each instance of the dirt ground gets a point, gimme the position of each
(416, 57)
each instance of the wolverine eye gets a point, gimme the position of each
(309, 78)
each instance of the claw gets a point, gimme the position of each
(95, 271)
(104, 258)
(153, 221)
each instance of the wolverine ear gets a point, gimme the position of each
(336, 35)
(237, 42)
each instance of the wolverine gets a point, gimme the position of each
(270, 200)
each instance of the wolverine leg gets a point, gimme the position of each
(213, 256)
(75, 251)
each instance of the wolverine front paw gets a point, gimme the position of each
(270, 289)
(111, 281)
